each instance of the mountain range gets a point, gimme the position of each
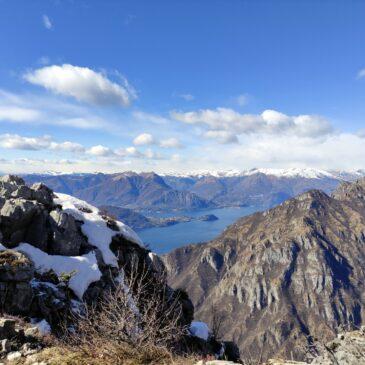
(150, 191)
(277, 280)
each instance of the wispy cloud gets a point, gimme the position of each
(47, 22)
(34, 110)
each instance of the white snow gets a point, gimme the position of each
(309, 173)
(85, 267)
(94, 227)
(199, 329)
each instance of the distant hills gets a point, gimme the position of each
(150, 191)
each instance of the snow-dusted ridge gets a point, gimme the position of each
(308, 173)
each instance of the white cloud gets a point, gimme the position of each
(18, 114)
(67, 147)
(223, 137)
(242, 99)
(17, 142)
(14, 141)
(269, 122)
(100, 151)
(361, 73)
(170, 143)
(144, 139)
(81, 83)
(47, 22)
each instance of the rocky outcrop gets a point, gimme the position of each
(56, 251)
(281, 278)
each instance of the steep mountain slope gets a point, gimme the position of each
(130, 190)
(284, 276)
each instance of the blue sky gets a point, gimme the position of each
(181, 85)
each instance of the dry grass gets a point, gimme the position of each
(126, 356)
(138, 322)
(12, 258)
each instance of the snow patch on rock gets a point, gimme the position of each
(85, 267)
(95, 227)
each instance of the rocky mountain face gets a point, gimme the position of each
(149, 191)
(278, 279)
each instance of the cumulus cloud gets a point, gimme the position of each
(17, 142)
(67, 147)
(81, 83)
(47, 22)
(100, 151)
(14, 141)
(269, 122)
(144, 139)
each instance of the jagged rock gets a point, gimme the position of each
(67, 239)
(42, 194)
(17, 217)
(16, 272)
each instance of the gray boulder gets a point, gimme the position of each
(42, 194)
(66, 236)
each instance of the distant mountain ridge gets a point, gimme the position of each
(150, 191)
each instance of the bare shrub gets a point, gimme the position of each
(140, 318)
(217, 322)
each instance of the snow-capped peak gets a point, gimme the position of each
(294, 172)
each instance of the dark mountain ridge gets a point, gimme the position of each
(149, 191)
(129, 189)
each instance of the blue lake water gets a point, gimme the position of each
(164, 239)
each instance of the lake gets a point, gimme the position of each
(164, 239)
